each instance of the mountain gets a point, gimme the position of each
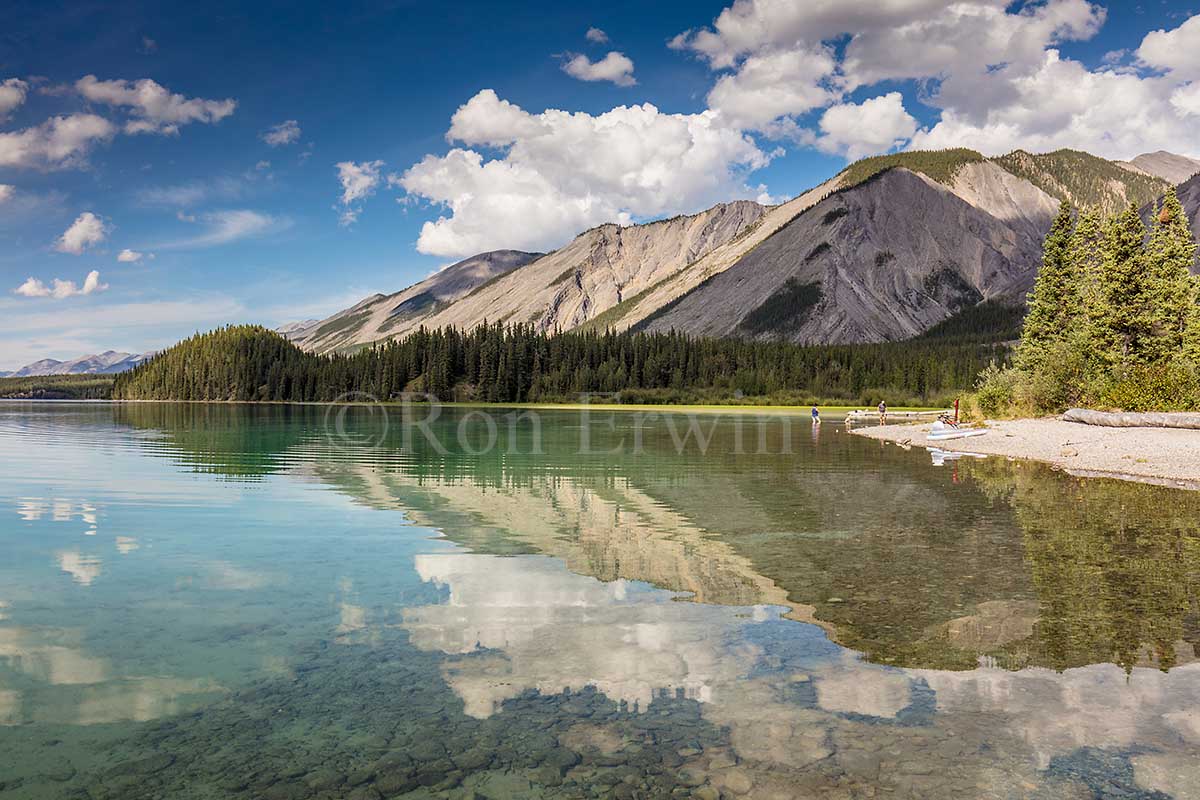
(47, 366)
(381, 316)
(1170, 167)
(296, 330)
(887, 248)
(107, 363)
(1084, 179)
(886, 259)
(603, 268)
(1189, 195)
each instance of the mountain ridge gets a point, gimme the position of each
(107, 363)
(639, 276)
(380, 316)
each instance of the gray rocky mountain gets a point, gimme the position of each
(297, 330)
(1189, 195)
(1168, 166)
(882, 251)
(886, 259)
(382, 316)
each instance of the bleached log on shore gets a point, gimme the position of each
(896, 416)
(1133, 419)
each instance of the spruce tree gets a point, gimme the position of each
(1054, 300)
(1171, 289)
(1191, 336)
(1087, 258)
(1119, 313)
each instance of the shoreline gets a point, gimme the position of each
(1160, 456)
(837, 413)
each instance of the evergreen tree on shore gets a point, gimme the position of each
(1171, 306)
(1087, 259)
(1121, 330)
(1054, 300)
(1114, 318)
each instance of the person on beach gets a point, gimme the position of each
(816, 415)
(882, 413)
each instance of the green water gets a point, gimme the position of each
(289, 602)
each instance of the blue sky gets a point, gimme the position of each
(279, 161)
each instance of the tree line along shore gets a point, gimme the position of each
(1113, 321)
(514, 364)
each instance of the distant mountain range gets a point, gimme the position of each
(884, 250)
(107, 363)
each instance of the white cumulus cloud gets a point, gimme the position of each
(128, 256)
(359, 181)
(756, 26)
(775, 85)
(596, 36)
(57, 143)
(87, 230)
(562, 172)
(286, 132)
(7, 190)
(12, 95)
(60, 289)
(1063, 104)
(614, 67)
(994, 72)
(874, 126)
(154, 108)
(1176, 51)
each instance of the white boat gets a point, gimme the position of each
(942, 432)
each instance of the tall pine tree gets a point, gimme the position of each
(1054, 301)
(1120, 322)
(1087, 259)
(1171, 292)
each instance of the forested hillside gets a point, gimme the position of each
(499, 363)
(1084, 180)
(56, 387)
(940, 165)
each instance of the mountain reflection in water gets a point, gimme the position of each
(253, 609)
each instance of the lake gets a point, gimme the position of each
(359, 602)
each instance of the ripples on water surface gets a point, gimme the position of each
(211, 602)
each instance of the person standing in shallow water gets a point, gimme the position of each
(882, 413)
(816, 415)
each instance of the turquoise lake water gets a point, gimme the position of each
(304, 602)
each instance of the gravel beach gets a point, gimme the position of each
(1150, 455)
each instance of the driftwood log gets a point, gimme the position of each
(1132, 419)
(908, 416)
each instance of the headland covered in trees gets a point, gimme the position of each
(1113, 319)
(514, 364)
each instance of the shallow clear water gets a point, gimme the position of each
(292, 602)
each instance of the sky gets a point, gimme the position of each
(168, 168)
